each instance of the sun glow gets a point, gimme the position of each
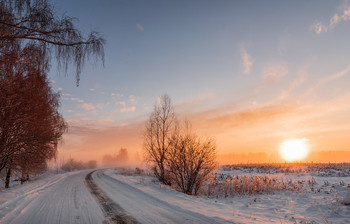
(294, 149)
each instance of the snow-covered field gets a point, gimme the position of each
(65, 198)
(320, 199)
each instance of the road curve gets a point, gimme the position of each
(78, 197)
(144, 207)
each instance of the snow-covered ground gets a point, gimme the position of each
(61, 198)
(65, 198)
(305, 206)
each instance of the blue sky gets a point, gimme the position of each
(215, 59)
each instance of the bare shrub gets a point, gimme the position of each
(176, 155)
(191, 159)
(139, 171)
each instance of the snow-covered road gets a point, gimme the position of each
(68, 198)
(144, 207)
(71, 198)
(62, 198)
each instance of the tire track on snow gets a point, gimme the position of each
(109, 207)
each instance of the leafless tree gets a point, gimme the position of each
(190, 160)
(157, 137)
(33, 22)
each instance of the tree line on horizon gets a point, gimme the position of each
(121, 158)
(31, 126)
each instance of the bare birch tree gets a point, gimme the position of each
(33, 22)
(157, 137)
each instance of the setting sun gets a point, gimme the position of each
(295, 149)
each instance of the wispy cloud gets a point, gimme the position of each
(117, 95)
(100, 106)
(346, 13)
(75, 99)
(59, 89)
(92, 89)
(139, 27)
(127, 109)
(335, 76)
(88, 122)
(79, 115)
(247, 62)
(132, 99)
(196, 103)
(328, 79)
(342, 16)
(294, 84)
(122, 103)
(334, 20)
(250, 116)
(124, 108)
(319, 28)
(274, 72)
(87, 106)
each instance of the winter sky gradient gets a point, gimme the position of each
(252, 74)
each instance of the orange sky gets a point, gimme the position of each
(245, 133)
(249, 78)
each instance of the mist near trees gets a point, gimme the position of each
(116, 159)
(31, 36)
(72, 165)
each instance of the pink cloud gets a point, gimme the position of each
(122, 103)
(117, 94)
(87, 106)
(139, 27)
(127, 109)
(247, 62)
(319, 28)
